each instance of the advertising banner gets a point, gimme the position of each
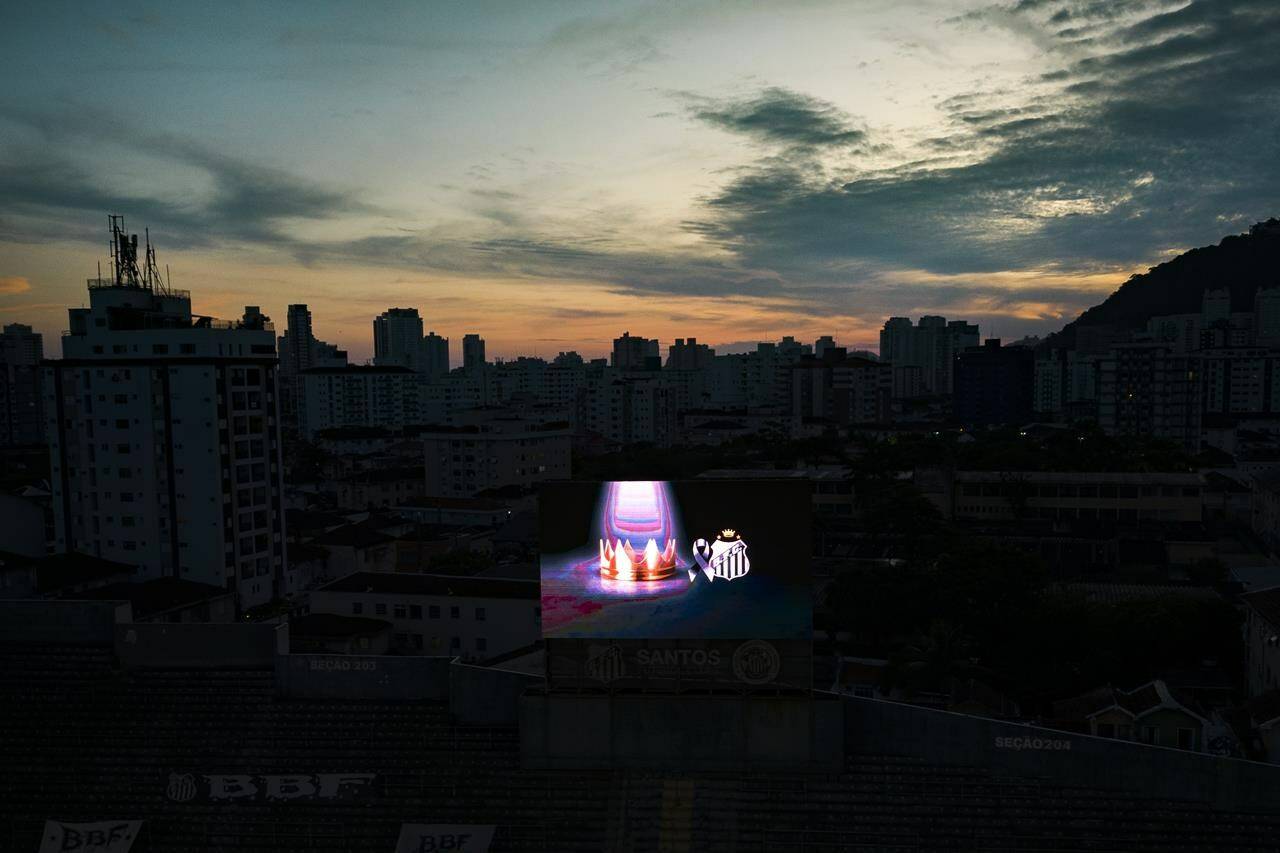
(697, 559)
(675, 665)
(105, 836)
(437, 837)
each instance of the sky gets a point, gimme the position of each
(551, 174)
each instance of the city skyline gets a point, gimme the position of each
(551, 176)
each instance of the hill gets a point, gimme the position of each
(1241, 263)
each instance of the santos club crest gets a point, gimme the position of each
(724, 558)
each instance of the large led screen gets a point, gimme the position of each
(670, 560)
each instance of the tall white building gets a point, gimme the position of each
(164, 436)
(931, 345)
(492, 449)
(299, 351)
(359, 396)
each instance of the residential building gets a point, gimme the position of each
(994, 385)
(164, 434)
(841, 390)
(932, 345)
(472, 352)
(635, 353)
(469, 617)
(1151, 390)
(1098, 496)
(435, 355)
(21, 386)
(1262, 640)
(397, 338)
(628, 409)
(494, 449)
(299, 350)
(687, 354)
(1150, 714)
(332, 634)
(358, 396)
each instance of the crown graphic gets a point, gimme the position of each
(728, 533)
(619, 561)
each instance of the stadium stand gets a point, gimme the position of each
(87, 738)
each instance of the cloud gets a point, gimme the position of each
(1146, 125)
(244, 201)
(778, 115)
(11, 285)
(1139, 146)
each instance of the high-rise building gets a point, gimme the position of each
(164, 434)
(1266, 313)
(689, 355)
(995, 385)
(297, 342)
(635, 353)
(840, 389)
(823, 344)
(932, 345)
(472, 352)
(493, 450)
(435, 355)
(1150, 389)
(358, 396)
(21, 392)
(397, 338)
(300, 351)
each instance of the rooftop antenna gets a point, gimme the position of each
(124, 253)
(153, 279)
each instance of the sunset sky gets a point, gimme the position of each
(550, 174)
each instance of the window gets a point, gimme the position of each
(415, 612)
(455, 643)
(1186, 738)
(455, 612)
(400, 611)
(433, 611)
(380, 609)
(482, 645)
(1151, 735)
(357, 608)
(479, 614)
(1106, 730)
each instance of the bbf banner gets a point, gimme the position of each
(106, 836)
(437, 837)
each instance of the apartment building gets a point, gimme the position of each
(163, 429)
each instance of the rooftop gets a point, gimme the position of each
(159, 595)
(453, 503)
(59, 571)
(1167, 478)
(332, 625)
(412, 583)
(1266, 603)
(357, 369)
(353, 536)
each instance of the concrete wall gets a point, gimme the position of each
(72, 623)
(487, 697)
(689, 732)
(362, 676)
(200, 646)
(1059, 758)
